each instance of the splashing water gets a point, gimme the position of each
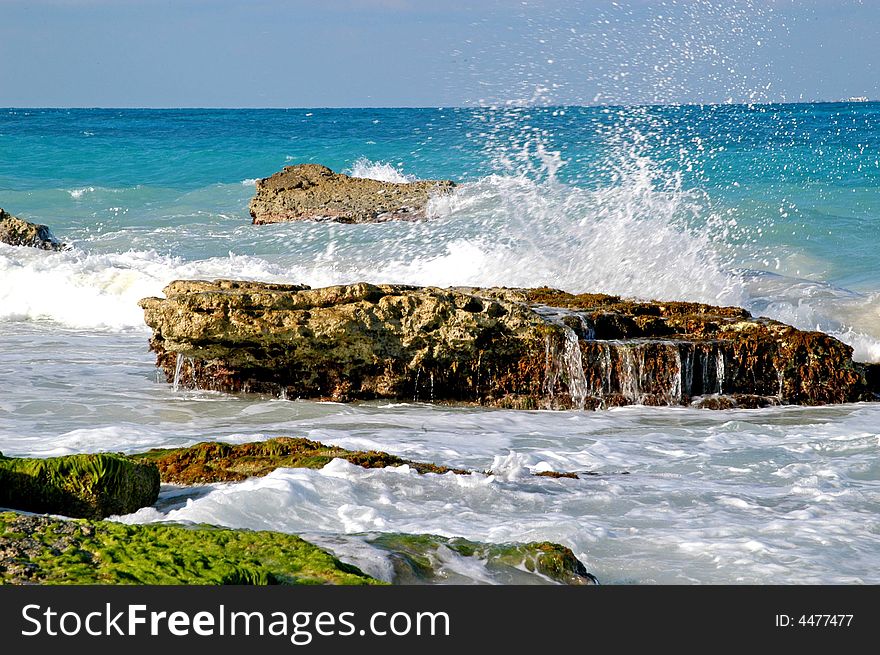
(382, 171)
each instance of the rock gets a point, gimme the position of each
(733, 401)
(43, 550)
(83, 486)
(214, 461)
(422, 559)
(18, 232)
(314, 192)
(518, 348)
(220, 462)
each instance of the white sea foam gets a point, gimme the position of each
(84, 290)
(702, 490)
(76, 194)
(682, 515)
(382, 171)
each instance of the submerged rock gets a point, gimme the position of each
(314, 192)
(42, 550)
(18, 232)
(520, 348)
(82, 486)
(221, 462)
(214, 461)
(424, 559)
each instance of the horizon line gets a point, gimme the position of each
(855, 100)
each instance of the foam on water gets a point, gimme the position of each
(382, 171)
(778, 495)
(713, 498)
(81, 290)
(76, 194)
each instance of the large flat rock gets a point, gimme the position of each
(311, 192)
(521, 348)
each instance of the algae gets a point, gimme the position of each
(418, 558)
(43, 550)
(220, 462)
(81, 486)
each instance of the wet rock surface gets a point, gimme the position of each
(314, 192)
(426, 559)
(47, 550)
(16, 231)
(221, 462)
(518, 348)
(214, 461)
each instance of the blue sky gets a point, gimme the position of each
(307, 53)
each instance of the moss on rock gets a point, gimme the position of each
(82, 486)
(42, 550)
(220, 462)
(419, 558)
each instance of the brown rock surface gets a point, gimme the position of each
(314, 192)
(19, 232)
(221, 462)
(521, 348)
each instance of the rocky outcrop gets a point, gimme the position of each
(522, 348)
(43, 550)
(221, 462)
(18, 232)
(316, 193)
(82, 486)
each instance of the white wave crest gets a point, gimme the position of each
(101, 290)
(76, 194)
(382, 171)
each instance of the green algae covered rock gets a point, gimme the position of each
(81, 486)
(421, 559)
(221, 462)
(42, 550)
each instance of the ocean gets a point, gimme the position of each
(775, 208)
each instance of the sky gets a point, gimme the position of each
(368, 53)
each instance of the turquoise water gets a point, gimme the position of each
(772, 207)
(761, 191)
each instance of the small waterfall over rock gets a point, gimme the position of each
(566, 363)
(177, 368)
(639, 371)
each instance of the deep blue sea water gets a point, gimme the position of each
(772, 207)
